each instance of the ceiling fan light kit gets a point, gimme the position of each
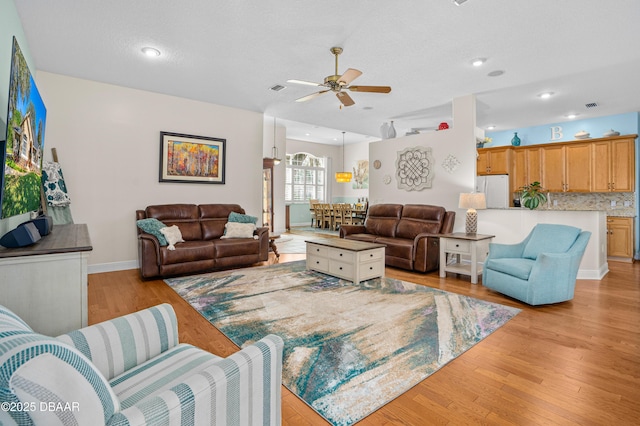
(339, 83)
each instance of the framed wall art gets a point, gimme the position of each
(191, 159)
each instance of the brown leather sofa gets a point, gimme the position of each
(410, 232)
(201, 227)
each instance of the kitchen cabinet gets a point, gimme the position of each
(563, 167)
(613, 166)
(493, 161)
(527, 166)
(620, 241)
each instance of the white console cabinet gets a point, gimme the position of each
(46, 283)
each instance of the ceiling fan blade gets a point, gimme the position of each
(311, 96)
(345, 99)
(373, 89)
(348, 76)
(306, 83)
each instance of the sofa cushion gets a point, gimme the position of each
(516, 267)
(185, 216)
(213, 217)
(370, 238)
(397, 247)
(417, 219)
(188, 251)
(236, 247)
(152, 377)
(549, 238)
(153, 226)
(382, 219)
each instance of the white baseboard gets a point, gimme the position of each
(112, 267)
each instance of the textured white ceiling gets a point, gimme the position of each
(232, 52)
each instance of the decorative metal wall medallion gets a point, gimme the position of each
(414, 168)
(386, 179)
(377, 164)
(450, 163)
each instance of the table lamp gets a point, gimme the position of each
(472, 202)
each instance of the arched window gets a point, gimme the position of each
(306, 177)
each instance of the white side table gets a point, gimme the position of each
(476, 246)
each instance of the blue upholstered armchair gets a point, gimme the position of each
(541, 269)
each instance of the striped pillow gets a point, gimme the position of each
(39, 371)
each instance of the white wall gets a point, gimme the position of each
(458, 141)
(108, 143)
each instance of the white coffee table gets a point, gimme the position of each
(348, 259)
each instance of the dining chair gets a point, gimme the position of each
(312, 203)
(318, 213)
(327, 216)
(338, 216)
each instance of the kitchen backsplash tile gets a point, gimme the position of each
(593, 201)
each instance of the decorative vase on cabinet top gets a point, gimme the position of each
(384, 130)
(392, 131)
(515, 141)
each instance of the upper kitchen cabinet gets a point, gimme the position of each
(613, 165)
(564, 167)
(493, 161)
(526, 166)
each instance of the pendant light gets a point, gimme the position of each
(343, 177)
(274, 150)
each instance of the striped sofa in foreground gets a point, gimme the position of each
(132, 371)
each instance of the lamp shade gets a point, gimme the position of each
(343, 177)
(475, 201)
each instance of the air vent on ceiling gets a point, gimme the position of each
(277, 87)
(591, 105)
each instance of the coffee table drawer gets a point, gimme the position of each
(342, 255)
(340, 269)
(317, 250)
(318, 263)
(371, 270)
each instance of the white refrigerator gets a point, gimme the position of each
(496, 190)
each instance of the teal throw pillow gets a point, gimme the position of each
(242, 218)
(153, 226)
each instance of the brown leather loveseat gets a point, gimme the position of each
(411, 233)
(201, 227)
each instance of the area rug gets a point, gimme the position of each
(349, 349)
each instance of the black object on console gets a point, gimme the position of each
(44, 224)
(24, 235)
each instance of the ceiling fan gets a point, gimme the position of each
(339, 83)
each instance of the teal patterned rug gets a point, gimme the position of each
(349, 349)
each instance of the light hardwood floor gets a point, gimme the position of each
(573, 363)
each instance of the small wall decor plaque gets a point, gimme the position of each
(451, 163)
(414, 168)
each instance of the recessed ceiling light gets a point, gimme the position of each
(571, 116)
(459, 2)
(150, 51)
(495, 73)
(478, 61)
(491, 127)
(307, 134)
(545, 95)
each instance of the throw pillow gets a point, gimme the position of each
(173, 236)
(242, 218)
(239, 230)
(153, 226)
